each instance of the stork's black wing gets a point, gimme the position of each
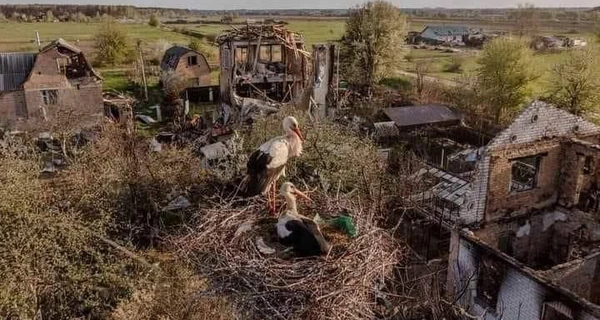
(302, 239)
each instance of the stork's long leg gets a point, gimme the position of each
(274, 188)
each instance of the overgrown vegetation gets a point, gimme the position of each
(575, 85)
(504, 75)
(112, 45)
(372, 43)
(153, 21)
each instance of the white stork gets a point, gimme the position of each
(267, 164)
(296, 230)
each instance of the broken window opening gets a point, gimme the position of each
(276, 53)
(241, 55)
(588, 165)
(489, 280)
(264, 53)
(556, 311)
(524, 173)
(192, 60)
(50, 97)
(62, 64)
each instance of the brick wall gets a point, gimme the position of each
(75, 108)
(540, 128)
(45, 72)
(201, 70)
(12, 107)
(501, 199)
(520, 296)
(574, 179)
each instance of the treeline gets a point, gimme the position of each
(82, 13)
(511, 14)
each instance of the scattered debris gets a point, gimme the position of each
(147, 120)
(262, 247)
(181, 202)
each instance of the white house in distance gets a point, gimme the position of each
(444, 34)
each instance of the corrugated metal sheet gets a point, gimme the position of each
(14, 69)
(422, 115)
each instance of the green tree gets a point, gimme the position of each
(195, 45)
(372, 43)
(575, 84)
(49, 16)
(504, 75)
(153, 22)
(112, 44)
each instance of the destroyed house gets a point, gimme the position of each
(444, 34)
(525, 227)
(51, 85)
(260, 61)
(189, 64)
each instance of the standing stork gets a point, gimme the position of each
(296, 230)
(267, 164)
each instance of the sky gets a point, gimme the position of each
(313, 4)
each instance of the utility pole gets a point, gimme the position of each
(139, 45)
(37, 39)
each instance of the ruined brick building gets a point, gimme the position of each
(524, 229)
(55, 86)
(190, 64)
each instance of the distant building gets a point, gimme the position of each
(190, 64)
(43, 89)
(445, 34)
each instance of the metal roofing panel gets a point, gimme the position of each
(14, 69)
(422, 115)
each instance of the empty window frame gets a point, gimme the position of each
(270, 53)
(588, 165)
(556, 311)
(50, 97)
(192, 60)
(241, 55)
(524, 173)
(489, 279)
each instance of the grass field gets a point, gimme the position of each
(437, 60)
(20, 37)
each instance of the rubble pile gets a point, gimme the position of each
(262, 32)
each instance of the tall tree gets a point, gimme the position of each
(504, 75)
(112, 44)
(575, 84)
(372, 43)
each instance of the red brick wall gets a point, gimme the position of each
(12, 107)
(75, 107)
(500, 198)
(45, 72)
(201, 70)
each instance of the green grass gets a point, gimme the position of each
(542, 64)
(115, 80)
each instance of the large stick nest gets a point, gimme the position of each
(343, 284)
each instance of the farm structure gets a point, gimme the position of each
(262, 61)
(189, 64)
(445, 34)
(520, 224)
(39, 89)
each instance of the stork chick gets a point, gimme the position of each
(296, 230)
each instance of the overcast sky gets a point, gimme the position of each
(314, 4)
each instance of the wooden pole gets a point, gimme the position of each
(143, 70)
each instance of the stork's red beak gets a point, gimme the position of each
(302, 195)
(297, 131)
